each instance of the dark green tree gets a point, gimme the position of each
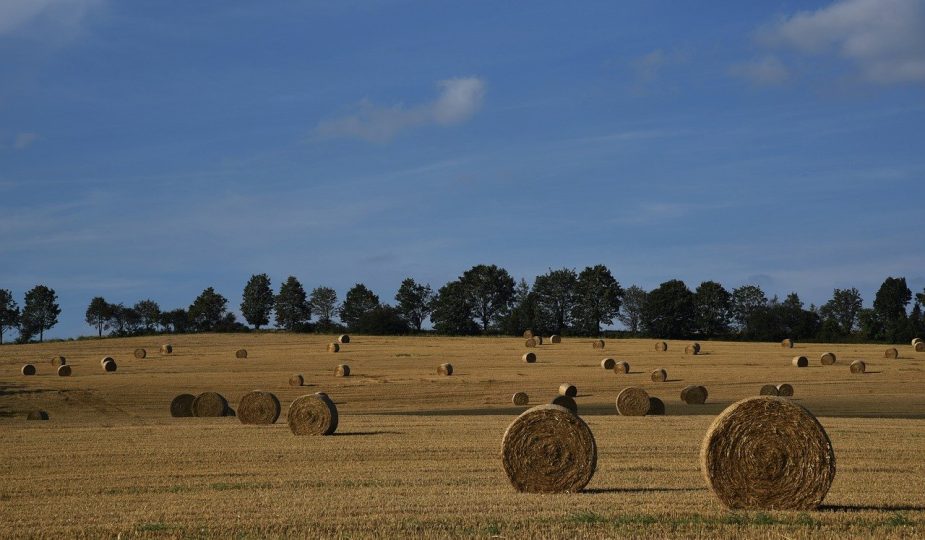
(522, 315)
(149, 313)
(841, 312)
(208, 311)
(40, 311)
(597, 299)
(489, 290)
(634, 302)
(556, 295)
(257, 301)
(713, 308)
(745, 301)
(453, 314)
(98, 314)
(323, 301)
(9, 312)
(415, 302)
(669, 311)
(382, 320)
(175, 321)
(890, 306)
(358, 301)
(292, 309)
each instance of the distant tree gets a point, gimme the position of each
(257, 301)
(98, 314)
(149, 313)
(176, 321)
(40, 312)
(669, 310)
(415, 302)
(842, 310)
(292, 309)
(745, 301)
(208, 311)
(634, 302)
(916, 321)
(9, 312)
(382, 320)
(713, 308)
(453, 314)
(119, 319)
(597, 299)
(556, 295)
(489, 290)
(870, 324)
(323, 301)
(890, 306)
(358, 301)
(798, 322)
(522, 315)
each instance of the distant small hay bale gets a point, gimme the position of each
(167, 348)
(661, 346)
(28, 369)
(210, 405)
(140, 353)
(769, 390)
(109, 366)
(919, 347)
(64, 371)
(342, 370)
(445, 369)
(343, 339)
(659, 375)
(312, 414)
(528, 334)
(622, 367)
(767, 453)
(529, 357)
(786, 343)
(656, 407)
(567, 402)
(891, 353)
(800, 361)
(633, 401)
(296, 380)
(259, 408)
(827, 358)
(597, 344)
(58, 360)
(539, 339)
(691, 350)
(531, 342)
(566, 389)
(608, 363)
(858, 366)
(520, 399)
(548, 449)
(333, 347)
(917, 340)
(182, 406)
(555, 339)
(785, 390)
(694, 395)
(107, 359)
(37, 415)
(240, 353)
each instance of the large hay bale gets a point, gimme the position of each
(520, 399)
(767, 453)
(786, 343)
(445, 369)
(659, 375)
(210, 404)
(656, 407)
(28, 369)
(891, 353)
(608, 363)
(258, 407)
(37, 415)
(531, 342)
(694, 395)
(167, 348)
(566, 389)
(64, 371)
(240, 353)
(597, 344)
(555, 339)
(109, 366)
(691, 350)
(769, 390)
(916, 340)
(296, 380)
(342, 370)
(182, 406)
(539, 340)
(547, 449)
(312, 414)
(565, 401)
(827, 358)
(800, 361)
(919, 347)
(622, 367)
(107, 359)
(785, 390)
(333, 347)
(140, 353)
(633, 401)
(858, 366)
(528, 334)
(529, 357)
(343, 339)
(661, 346)
(58, 360)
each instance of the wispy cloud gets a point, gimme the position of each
(649, 68)
(24, 140)
(459, 100)
(62, 15)
(765, 71)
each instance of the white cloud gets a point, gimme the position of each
(884, 38)
(62, 15)
(459, 99)
(24, 140)
(764, 71)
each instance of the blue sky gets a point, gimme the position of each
(150, 150)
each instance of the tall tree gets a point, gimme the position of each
(208, 311)
(890, 305)
(489, 290)
(149, 314)
(713, 305)
(382, 320)
(98, 314)
(556, 294)
(634, 302)
(415, 302)
(597, 299)
(9, 312)
(745, 301)
(257, 301)
(40, 312)
(522, 315)
(323, 301)
(453, 314)
(292, 309)
(176, 321)
(843, 310)
(358, 301)
(669, 310)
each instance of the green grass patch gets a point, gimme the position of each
(155, 526)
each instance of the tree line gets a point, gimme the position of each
(486, 300)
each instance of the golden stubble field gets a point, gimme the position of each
(417, 454)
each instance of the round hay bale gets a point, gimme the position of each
(597, 344)
(312, 414)
(567, 402)
(661, 346)
(64, 371)
(531, 342)
(445, 369)
(342, 370)
(659, 375)
(694, 395)
(555, 339)
(28, 369)
(916, 340)
(333, 347)
(891, 353)
(767, 453)
(58, 360)
(230, 412)
(691, 350)
(919, 347)
(140, 353)
(566, 389)
(37, 415)
(539, 340)
(785, 390)
(240, 353)
(210, 404)
(109, 366)
(528, 334)
(858, 366)
(656, 407)
(769, 390)
(621, 367)
(696, 347)
(167, 348)
(529, 357)
(547, 449)
(827, 358)
(608, 363)
(258, 407)
(800, 361)
(106, 359)
(182, 406)
(343, 339)
(296, 380)
(520, 399)
(786, 343)
(633, 401)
